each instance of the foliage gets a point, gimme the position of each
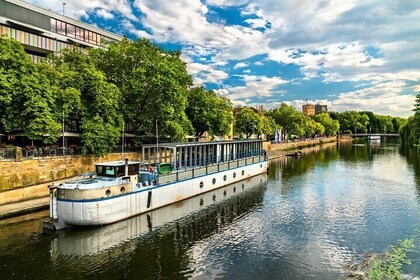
(353, 121)
(27, 97)
(331, 126)
(410, 131)
(101, 118)
(209, 112)
(389, 267)
(289, 119)
(154, 86)
(247, 122)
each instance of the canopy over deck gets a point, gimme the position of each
(200, 153)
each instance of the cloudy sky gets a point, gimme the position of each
(350, 55)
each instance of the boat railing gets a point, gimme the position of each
(193, 171)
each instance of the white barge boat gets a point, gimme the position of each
(168, 173)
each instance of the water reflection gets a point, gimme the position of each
(314, 215)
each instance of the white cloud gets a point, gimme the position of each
(203, 73)
(104, 14)
(240, 65)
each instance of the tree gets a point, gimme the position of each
(267, 124)
(154, 85)
(353, 121)
(100, 114)
(27, 96)
(247, 122)
(209, 112)
(331, 126)
(289, 119)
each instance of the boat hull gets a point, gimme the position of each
(101, 211)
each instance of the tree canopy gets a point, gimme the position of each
(209, 112)
(154, 86)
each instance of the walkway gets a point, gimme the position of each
(18, 208)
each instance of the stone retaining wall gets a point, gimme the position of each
(297, 144)
(28, 179)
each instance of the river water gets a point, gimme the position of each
(307, 219)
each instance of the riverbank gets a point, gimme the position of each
(12, 203)
(276, 150)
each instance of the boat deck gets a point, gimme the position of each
(197, 171)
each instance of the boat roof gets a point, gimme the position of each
(176, 145)
(117, 163)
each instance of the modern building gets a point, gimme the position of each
(319, 108)
(308, 109)
(42, 32)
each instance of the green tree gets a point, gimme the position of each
(27, 97)
(247, 122)
(100, 114)
(209, 112)
(353, 121)
(331, 126)
(154, 85)
(289, 119)
(267, 124)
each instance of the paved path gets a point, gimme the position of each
(18, 208)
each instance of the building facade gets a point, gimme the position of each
(42, 32)
(319, 108)
(308, 109)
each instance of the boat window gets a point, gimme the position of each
(120, 170)
(105, 171)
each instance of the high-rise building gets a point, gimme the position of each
(42, 32)
(319, 108)
(308, 109)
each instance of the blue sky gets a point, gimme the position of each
(350, 55)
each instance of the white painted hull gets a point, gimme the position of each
(109, 210)
(99, 240)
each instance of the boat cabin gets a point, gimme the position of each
(174, 156)
(115, 169)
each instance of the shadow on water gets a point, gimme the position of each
(150, 246)
(412, 155)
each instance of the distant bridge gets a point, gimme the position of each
(374, 134)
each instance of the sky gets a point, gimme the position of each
(349, 55)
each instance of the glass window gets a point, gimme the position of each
(120, 170)
(53, 25)
(105, 171)
(93, 39)
(80, 32)
(98, 39)
(71, 30)
(61, 27)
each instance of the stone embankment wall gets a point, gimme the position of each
(284, 148)
(28, 179)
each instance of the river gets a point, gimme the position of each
(309, 218)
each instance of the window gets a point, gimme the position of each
(133, 169)
(71, 30)
(53, 25)
(80, 33)
(61, 27)
(98, 39)
(214, 181)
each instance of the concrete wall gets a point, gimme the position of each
(29, 179)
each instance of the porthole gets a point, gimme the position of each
(260, 165)
(108, 192)
(122, 190)
(201, 184)
(243, 186)
(243, 172)
(234, 174)
(214, 197)
(234, 189)
(201, 202)
(214, 181)
(224, 193)
(224, 178)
